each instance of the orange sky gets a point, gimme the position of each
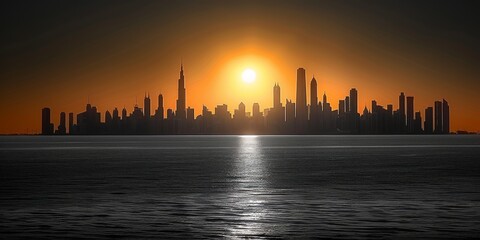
(114, 55)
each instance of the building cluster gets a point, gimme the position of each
(298, 117)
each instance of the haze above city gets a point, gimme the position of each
(64, 54)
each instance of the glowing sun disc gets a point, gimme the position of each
(249, 75)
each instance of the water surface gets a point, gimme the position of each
(240, 186)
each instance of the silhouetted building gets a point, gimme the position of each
(190, 114)
(347, 104)
(256, 110)
(206, 121)
(47, 126)
(190, 126)
(390, 120)
(71, 127)
(366, 122)
(136, 122)
(275, 119)
(88, 122)
(341, 106)
(257, 119)
(124, 114)
(170, 114)
(240, 118)
(328, 118)
(108, 126)
(115, 127)
(159, 112)
(62, 127)
(353, 101)
(417, 123)
(276, 96)
(146, 106)
(240, 113)
(353, 118)
(222, 119)
(313, 98)
(159, 117)
(428, 125)
(294, 118)
(374, 106)
(181, 101)
(342, 116)
(410, 110)
(290, 116)
(115, 116)
(301, 113)
(401, 109)
(445, 117)
(324, 101)
(438, 117)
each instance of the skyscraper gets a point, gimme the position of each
(190, 120)
(347, 104)
(146, 106)
(190, 114)
(313, 99)
(62, 127)
(354, 101)
(70, 123)
(124, 114)
(276, 96)
(116, 117)
(324, 101)
(313, 93)
(275, 118)
(428, 125)
(410, 111)
(445, 117)
(181, 101)
(47, 126)
(418, 123)
(341, 106)
(160, 111)
(256, 110)
(108, 118)
(438, 117)
(290, 116)
(401, 108)
(241, 110)
(301, 104)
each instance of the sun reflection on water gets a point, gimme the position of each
(249, 192)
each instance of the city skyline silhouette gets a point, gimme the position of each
(60, 54)
(299, 117)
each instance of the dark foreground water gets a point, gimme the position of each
(240, 186)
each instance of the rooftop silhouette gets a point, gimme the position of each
(300, 117)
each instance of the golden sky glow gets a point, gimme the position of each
(112, 55)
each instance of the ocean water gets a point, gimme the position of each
(240, 187)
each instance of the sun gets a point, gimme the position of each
(249, 75)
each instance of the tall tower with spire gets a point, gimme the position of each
(180, 113)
